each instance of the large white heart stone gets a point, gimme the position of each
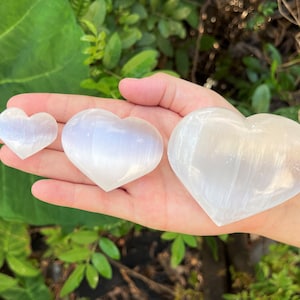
(234, 166)
(25, 135)
(109, 150)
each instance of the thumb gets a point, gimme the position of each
(169, 92)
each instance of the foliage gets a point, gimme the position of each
(25, 280)
(178, 245)
(277, 276)
(265, 81)
(46, 57)
(85, 252)
(260, 17)
(125, 38)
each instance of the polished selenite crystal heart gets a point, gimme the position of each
(109, 150)
(234, 166)
(25, 135)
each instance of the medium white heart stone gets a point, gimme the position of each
(234, 166)
(109, 150)
(25, 135)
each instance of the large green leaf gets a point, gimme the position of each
(40, 51)
(17, 203)
(40, 48)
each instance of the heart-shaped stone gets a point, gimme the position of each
(25, 135)
(234, 166)
(109, 150)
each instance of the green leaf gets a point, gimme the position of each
(109, 248)
(112, 52)
(108, 86)
(21, 266)
(102, 265)
(130, 36)
(140, 10)
(182, 61)
(14, 238)
(84, 237)
(6, 282)
(193, 17)
(170, 6)
(224, 237)
(90, 26)
(177, 251)
(140, 64)
(75, 255)
(252, 63)
(96, 13)
(29, 288)
(163, 27)
(122, 4)
(17, 203)
(92, 276)
(286, 81)
(288, 112)
(165, 46)
(261, 99)
(41, 40)
(168, 28)
(190, 240)
(129, 19)
(73, 280)
(2, 258)
(274, 53)
(148, 39)
(154, 4)
(168, 236)
(181, 13)
(253, 77)
(80, 6)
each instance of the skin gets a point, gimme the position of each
(157, 200)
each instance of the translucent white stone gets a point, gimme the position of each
(109, 150)
(25, 135)
(233, 166)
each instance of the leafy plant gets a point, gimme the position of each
(261, 16)
(115, 27)
(178, 245)
(277, 276)
(84, 252)
(24, 279)
(265, 82)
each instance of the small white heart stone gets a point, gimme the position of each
(234, 166)
(109, 150)
(25, 135)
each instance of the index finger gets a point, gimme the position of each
(63, 106)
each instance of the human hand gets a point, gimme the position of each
(158, 199)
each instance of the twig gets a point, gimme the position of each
(157, 287)
(295, 19)
(135, 292)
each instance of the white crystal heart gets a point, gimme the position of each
(25, 135)
(109, 150)
(234, 166)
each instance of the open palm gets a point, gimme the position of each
(157, 200)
